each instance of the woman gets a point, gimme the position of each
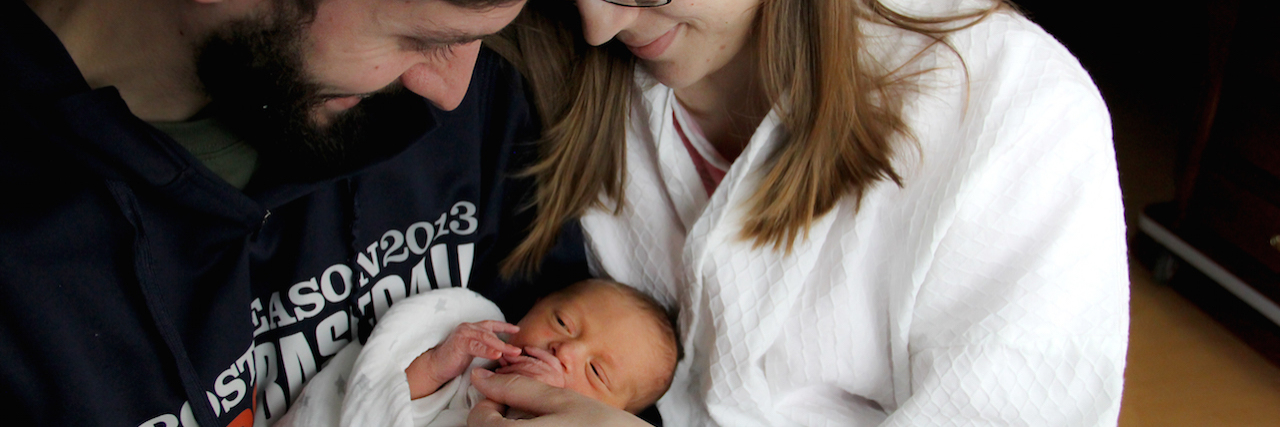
(867, 213)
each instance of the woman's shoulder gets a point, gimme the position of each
(1007, 41)
(1001, 87)
(1001, 47)
(1002, 63)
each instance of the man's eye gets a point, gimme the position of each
(443, 52)
(418, 45)
(429, 48)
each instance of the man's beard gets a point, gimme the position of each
(254, 72)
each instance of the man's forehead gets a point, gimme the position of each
(447, 21)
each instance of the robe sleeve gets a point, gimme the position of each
(1020, 314)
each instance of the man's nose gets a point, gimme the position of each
(443, 81)
(601, 20)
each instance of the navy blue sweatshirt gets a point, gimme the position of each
(139, 289)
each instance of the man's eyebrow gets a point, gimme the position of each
(443, 37)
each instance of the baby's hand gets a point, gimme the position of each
(478, 339)
(436, 366)
(539, 364)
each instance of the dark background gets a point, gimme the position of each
(1150, 61)
(1148, 57)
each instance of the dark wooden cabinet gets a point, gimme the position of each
(1225, 222)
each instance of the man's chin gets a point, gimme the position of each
(322, 138)
(327, 112)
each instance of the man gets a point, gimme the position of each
(204, 200)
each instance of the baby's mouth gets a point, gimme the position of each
(545, 357)
(536, 363)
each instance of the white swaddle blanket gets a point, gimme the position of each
(366, 386)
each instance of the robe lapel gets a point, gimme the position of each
(738, 296)
(674, 163)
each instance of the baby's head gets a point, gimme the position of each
(602, 339)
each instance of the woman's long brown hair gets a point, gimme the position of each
(841, 113)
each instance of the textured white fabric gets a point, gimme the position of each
(991, 289)
(366, 386)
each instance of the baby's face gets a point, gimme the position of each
(596, 343)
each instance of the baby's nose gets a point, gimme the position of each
(568, 352)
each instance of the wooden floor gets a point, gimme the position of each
(1184, 369)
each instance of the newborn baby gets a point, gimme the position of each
(602, 339)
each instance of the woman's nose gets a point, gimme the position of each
(602, 20)
(444, 81)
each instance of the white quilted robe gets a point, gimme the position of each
(991, 289)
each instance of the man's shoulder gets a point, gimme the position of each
(494, 78)
(490, 65)
(33, 62)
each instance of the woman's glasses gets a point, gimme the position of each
(640, 3)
